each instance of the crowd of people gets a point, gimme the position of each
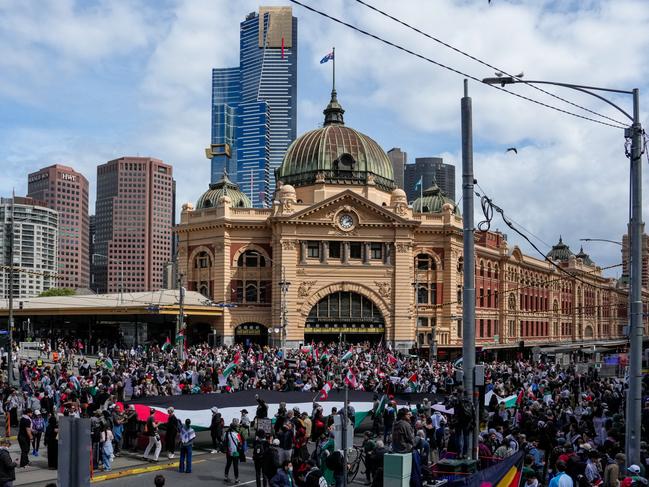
(569, 425)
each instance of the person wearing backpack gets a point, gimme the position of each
(38, 428)
(233, 442)
(259, 447)
(314, 476)
(389, 417)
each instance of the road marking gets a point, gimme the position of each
(139, 470)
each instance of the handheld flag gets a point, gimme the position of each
(237, 358)
(327, 57)
(412, 381)
(392, 359)
(347, 356)
(229, 369)
(324, 392)
(350, 379)
(167, 345)
(382, 403)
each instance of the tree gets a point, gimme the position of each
(57, 291)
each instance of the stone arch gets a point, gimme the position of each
(589, 332)
(517, 254)
(254, 247)
(361, 289)
(197, 251)
(246, 318)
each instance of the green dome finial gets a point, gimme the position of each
(334, 111)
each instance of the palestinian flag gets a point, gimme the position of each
(348, 354)
(324, 356)
(382, 403)
(324, 392)
(519, 398)
(108, 363)
(350, 380)
(235, 360)
(229, 369)
(392, 359)
(412, 380)
(167, 345)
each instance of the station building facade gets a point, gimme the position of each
(342, 252)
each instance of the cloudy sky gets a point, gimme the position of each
(87, 81)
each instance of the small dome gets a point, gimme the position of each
(398, 196)
(220, 192)
(336, 154)
(433, 201)
(585, 257)
(286, 190)
(560, 251)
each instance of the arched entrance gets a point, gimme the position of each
(344, 312)
(251, 333)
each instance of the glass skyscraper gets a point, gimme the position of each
(254, 105)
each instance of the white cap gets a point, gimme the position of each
(634, 469)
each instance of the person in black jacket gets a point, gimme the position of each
(216, 430)
(171, 433)
(259, 447)
(7, 465)
(52, 442)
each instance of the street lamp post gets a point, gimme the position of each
(636, 329)
(283, 285)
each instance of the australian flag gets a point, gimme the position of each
(327, 57)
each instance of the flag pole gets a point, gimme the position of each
(333, 50)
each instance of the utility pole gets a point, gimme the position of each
(468, 298)
(10, 375)
(180, 323)
(636, 328)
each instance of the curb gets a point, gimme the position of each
(138, 470)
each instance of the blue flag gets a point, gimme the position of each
(419, 183)
(327, 57)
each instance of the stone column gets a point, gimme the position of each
(302, 252)
(345, 252)
(324, 252)
(366, 253)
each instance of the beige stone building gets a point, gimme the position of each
(341, 251)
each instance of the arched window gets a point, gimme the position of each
(422, 295)
(489, 269)
(204, 290)
(251, 258)
(202, 260)
(496, 272)
(481, 269)
(251, 293)
(425, 262)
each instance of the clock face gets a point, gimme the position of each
(346, 221)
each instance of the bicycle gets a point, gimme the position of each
(355, 457)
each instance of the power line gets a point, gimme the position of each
(484, 63)
(449, 68)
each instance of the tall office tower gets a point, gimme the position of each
(66, 191)
(429, 169)
(34, 237)
(133, 217)
(399, 160)
(92, 252)
(254, 105)
(626, 259)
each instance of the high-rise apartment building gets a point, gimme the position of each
(429, 169)
(133, 219)
(399, 159)
(254, 105)
(66, 191)
(34, 237)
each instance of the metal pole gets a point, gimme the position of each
(11, 294)
(344, 420)
(181, 318)
(468, 301)
(636, 328)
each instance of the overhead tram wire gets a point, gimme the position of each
(454, 70)
(484, 63)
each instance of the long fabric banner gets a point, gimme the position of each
(197, 407)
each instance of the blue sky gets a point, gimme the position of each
(83, 82)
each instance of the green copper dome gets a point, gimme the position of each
(585, 257)
(335, 154)
(432, 201)
(223, 187)
(560, 251)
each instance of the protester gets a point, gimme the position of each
(25, 436)
(7, 464)
(234, 449)
(284, 476)
(38, 428)
(171, 432)
(187, 437)
(106, 442)
(151, 431)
